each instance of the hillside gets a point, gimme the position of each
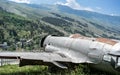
(109, 20)
(113, 22)
(28, 21)
(13, 28)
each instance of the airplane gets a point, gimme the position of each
(100, 53)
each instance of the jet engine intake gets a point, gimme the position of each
(42, 41)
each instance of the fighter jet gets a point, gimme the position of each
(101, 53)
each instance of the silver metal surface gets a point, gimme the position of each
(73, 49)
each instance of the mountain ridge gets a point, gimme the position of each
(103, 19)
(48, 19)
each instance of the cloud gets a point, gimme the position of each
(113, 15)
(21, 1)
(73, 4)
(98, 8)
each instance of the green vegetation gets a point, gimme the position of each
(65, 18)
(63, 24)
(27, 70)
(44, 70)
(14, 28)
(56, 21)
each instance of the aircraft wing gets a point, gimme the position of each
(28, 58)
(41, 58)
(45, 56)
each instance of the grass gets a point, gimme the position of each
(27, 70)
(44, 70)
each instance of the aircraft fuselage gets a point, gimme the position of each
(97, 51)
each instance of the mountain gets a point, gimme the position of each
(93, 16)
(31, 21)
(13, 28)
(112, 20)
(101, 21)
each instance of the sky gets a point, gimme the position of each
(110, 7)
